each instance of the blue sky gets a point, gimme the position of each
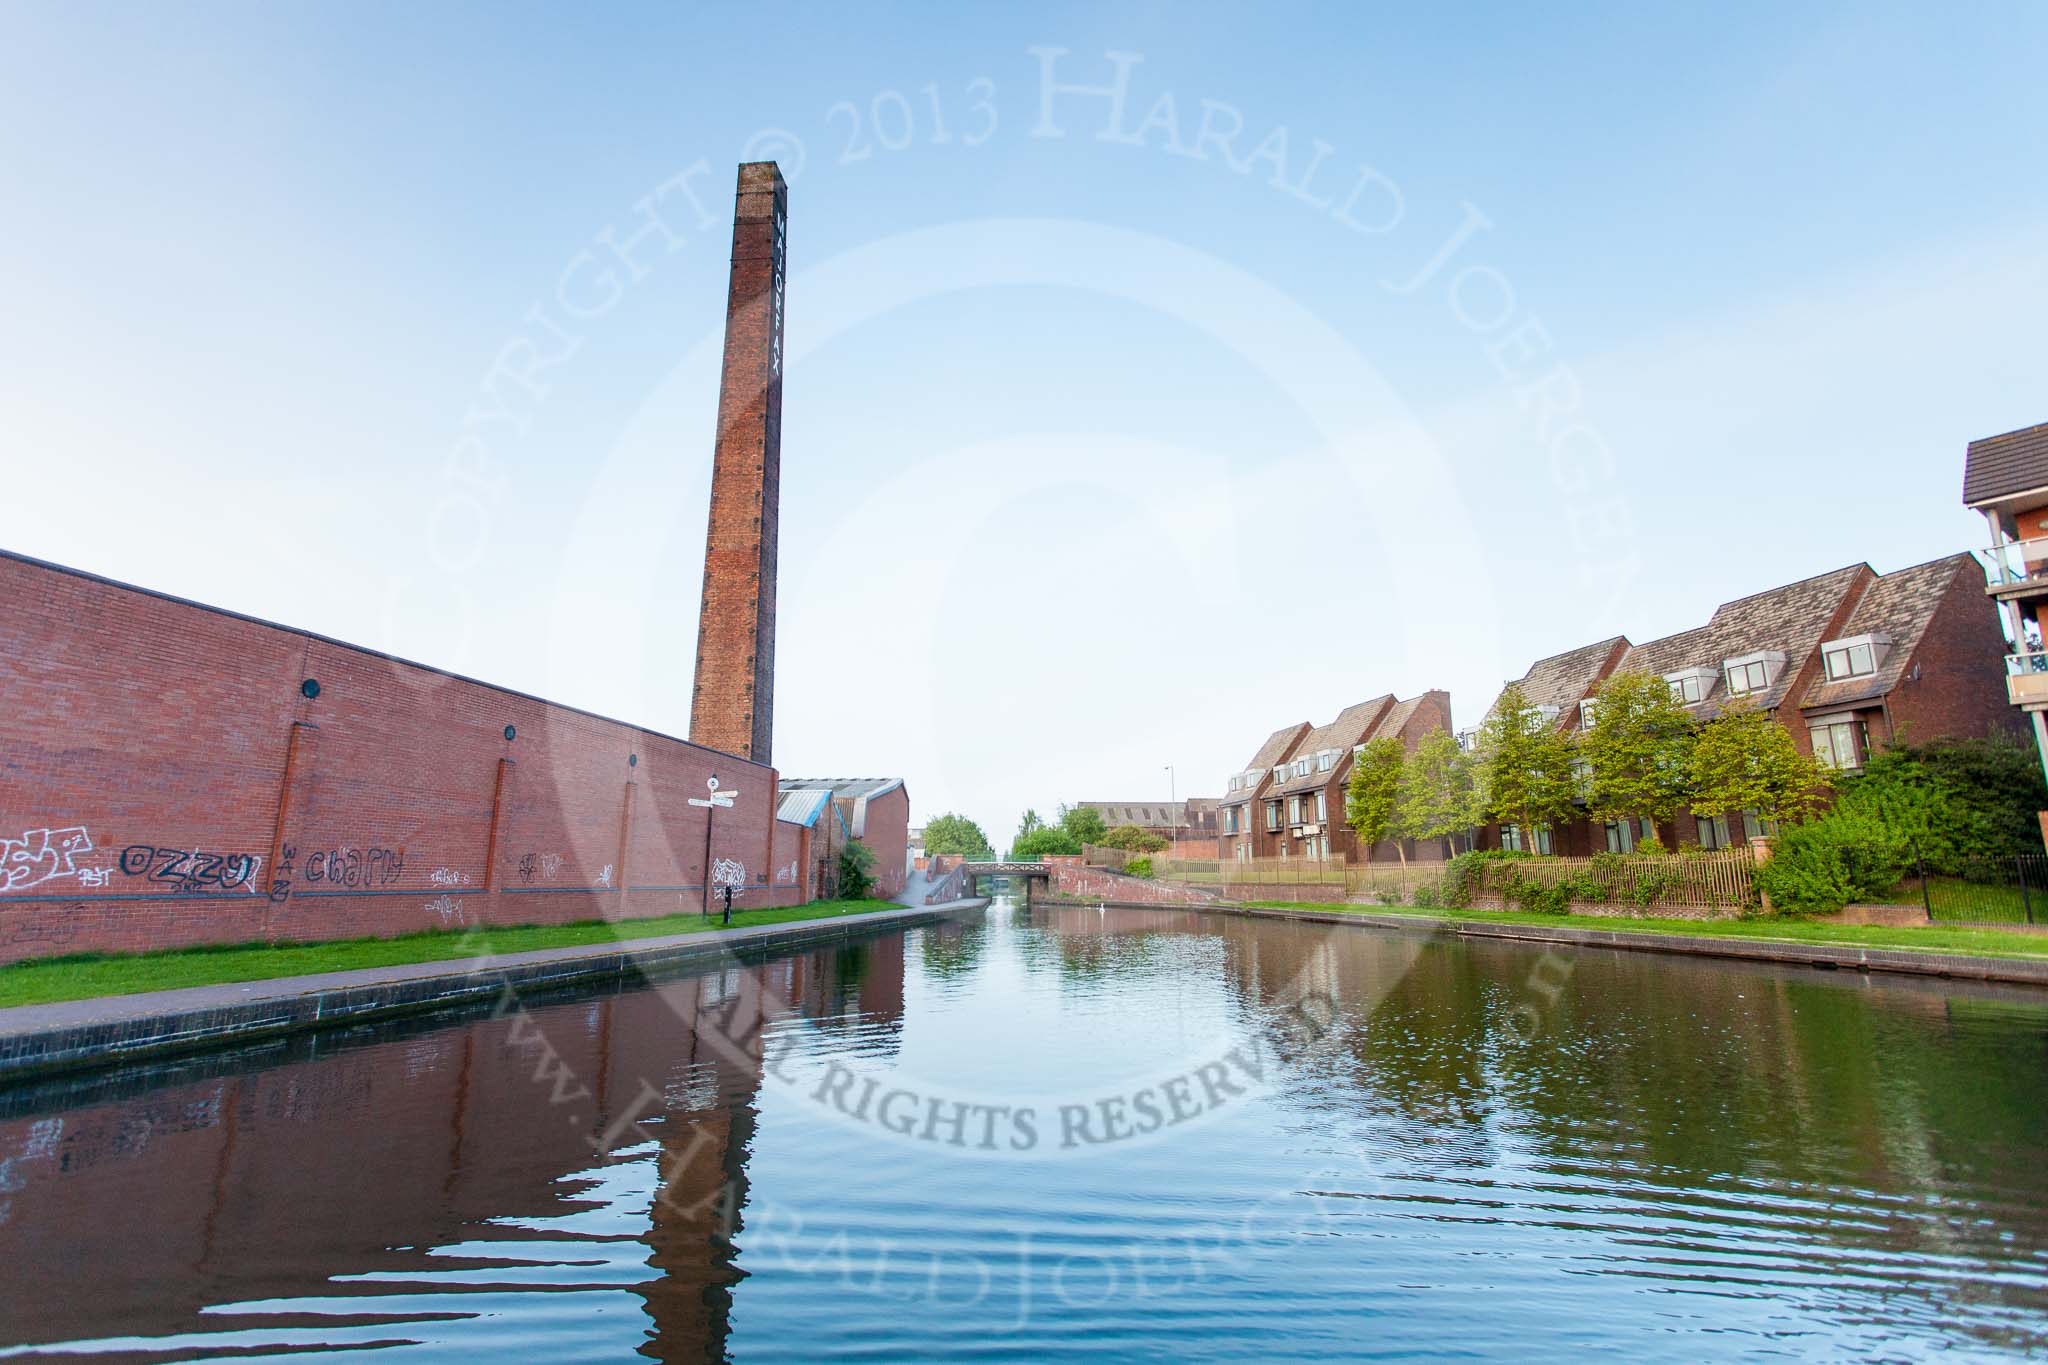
(1101, 454)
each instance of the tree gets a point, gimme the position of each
(1436, 798)
(1084, 823)
(1133, 839)
(1035, 839)
(956, 835)
(1370, 804)
(1745, 760)
(1041, 841)
(1526, 766)
(1639, 749)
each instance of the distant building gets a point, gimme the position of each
(1194, 818)
(824, 833)
(1849, 662)
(2006, 478)
(877, 813)
(1289, 803)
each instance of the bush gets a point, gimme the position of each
(1823, 865)
(1425, 897)
(856, 871)
(1138, 867)
(1959, 801)
(1132, 839)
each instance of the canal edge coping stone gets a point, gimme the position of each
(103, 1031)
(1906, 961)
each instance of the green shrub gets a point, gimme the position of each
(1132, 839)
(856, 871)
(1425, 897)
(1138, 867)
(1822, 865)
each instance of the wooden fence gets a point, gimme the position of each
(1707, 881)
(1718, 880)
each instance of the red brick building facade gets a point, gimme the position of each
(1849, 662)
(177, 774)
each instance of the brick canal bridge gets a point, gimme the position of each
(1042, 871)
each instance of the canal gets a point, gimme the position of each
(1053, 1132)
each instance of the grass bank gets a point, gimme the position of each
(1931, 938)
(83, 976)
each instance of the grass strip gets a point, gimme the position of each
(1930, 938)
(83, 976)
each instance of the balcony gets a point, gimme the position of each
(2026, 680)
(2015, 568)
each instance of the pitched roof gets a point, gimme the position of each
(1563, 680)
(1352, 725)
(1900, 605)
(1279, 745)
(1791, 619)
(1999, 466)
(1160, 813)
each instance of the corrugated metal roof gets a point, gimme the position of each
(802, 807)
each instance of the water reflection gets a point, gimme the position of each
(1480, 1148)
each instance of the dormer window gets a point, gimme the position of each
(1753, 672)
(1326, 760)
(1301, 767)
(1280, 773)
(1690, 686)
(1468, 740)
(1588, 709)
(1856, 657)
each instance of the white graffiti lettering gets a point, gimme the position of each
(42, 855)
(728, 872)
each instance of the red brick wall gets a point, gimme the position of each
(1955, 682)
(732, 708)
(887, 832)
(213, 802)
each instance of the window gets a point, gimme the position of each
(1753, 828)
(1685, 688)
(1326, 760)
(1545, 845)
(1468, 740)
(1588, 709)
(1745, 678)
(1856, 657)
(1511, 839)
(1836, 744)
(1280, 773)
(1752, 672)
(1622, 835)
(1272, 815)
(1293, 810)
(1713, 830)
(1322, 807)
(1301, 767)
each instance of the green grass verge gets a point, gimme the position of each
(83, 976)
(1934, 938)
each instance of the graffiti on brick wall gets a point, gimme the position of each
(728, 872)
(543, 866)
(356, 867)
(604, 877)
(448, 876)
(786, 876)
(447, 909)
(281, 875)
(190, 871)
(44, 855)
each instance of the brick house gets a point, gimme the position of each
(823, 832)
(1241, 830)
(877, 813)
(2006, 478)
(1849, 662)
(1293, 801)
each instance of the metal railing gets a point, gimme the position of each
(2014, 563)
(1988, 890)
(2026, 677)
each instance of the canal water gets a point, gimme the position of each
(1053, 1132)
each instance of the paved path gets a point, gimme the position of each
(35, 1039)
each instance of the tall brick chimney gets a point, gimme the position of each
(733, 706)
